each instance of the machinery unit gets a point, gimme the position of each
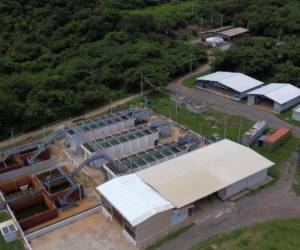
(254, 133)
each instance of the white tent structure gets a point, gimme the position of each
(237, 84)
(278, 96)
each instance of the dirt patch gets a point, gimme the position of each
(93, 233)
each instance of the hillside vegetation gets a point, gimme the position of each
(59, 57)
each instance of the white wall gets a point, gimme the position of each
(243, 184)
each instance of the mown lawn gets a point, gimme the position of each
(273, 235)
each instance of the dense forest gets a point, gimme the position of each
(60, 57)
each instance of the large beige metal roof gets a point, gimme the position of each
(233, 32)
(190, 177)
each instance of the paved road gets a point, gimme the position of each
(55, 126)
(229, 106)
(274, 202)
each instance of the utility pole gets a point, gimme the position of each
(201, 23)
(142, 87)
(221, 20)
(191, 63)
(44, 134)
(12, 137)
(225, 128)
(192, 8)
(176, 111)
(239, 133)
(111, 109)
(211, 21)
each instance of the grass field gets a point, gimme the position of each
(190, 81)
(172, 236)
(4, 216)
(287, 116)
(273, 235)
(296, 184)
(16, 245)
(279, 155)
(207, 124)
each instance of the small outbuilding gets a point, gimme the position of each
(275, 97)
(231, 33)
(236, 85)
(143, 213)
(296, 113)
(274, 140)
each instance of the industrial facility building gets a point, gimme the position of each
(275, 97)
(100, 126)
(152, 156)
(235, 85)
(122, 144)
(157, 200)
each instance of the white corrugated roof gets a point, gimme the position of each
(193, 176)
(236, 81)
(278, 92)
(133, 198)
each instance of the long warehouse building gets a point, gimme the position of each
(236, 85)
(157, 200)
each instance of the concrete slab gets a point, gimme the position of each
(94, 233)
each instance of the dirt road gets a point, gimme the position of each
(274, 202)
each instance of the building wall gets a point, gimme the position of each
(243, 184)
(75, 141)
(281, 107)
(133, 146)
(251, 99)
(110, 129)
(296, 115)
(159, 226)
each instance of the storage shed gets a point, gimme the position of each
(296, 113)
(232, 33)
(144, 214)
(236, 85)
(274, 140)
(276, 97)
